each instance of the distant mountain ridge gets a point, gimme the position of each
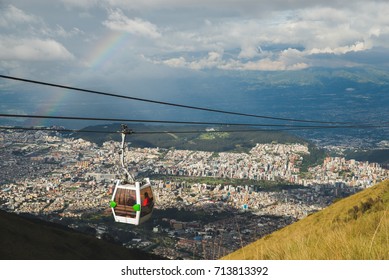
(356, 227)
(315, 76)
(200, 139)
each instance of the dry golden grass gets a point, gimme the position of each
(355, 228)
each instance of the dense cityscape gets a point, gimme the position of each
(70, 181)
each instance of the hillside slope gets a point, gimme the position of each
(32, 239)
(356, 227)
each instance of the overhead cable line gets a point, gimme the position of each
(54, 129)
(133, 132)
(167, 103)
(178, 131)
(158, 121)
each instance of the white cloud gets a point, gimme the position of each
(61, 32)
(12, 15)
(119, 22)
(212, 61)
(32, 49)
(318, 29)
(215, 60)
(249, 51)
(203, 34)
(178, 62)
(272, 65)
(358, 46)
(22, 24)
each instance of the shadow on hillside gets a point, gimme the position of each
(23, 238)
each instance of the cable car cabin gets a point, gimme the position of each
(132, 203)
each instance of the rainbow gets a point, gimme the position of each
(108, 47)
(48, 107)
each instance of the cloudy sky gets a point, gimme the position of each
(116, 44)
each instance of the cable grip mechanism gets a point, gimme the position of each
(124, 132)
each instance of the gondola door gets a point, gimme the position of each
(125, 206)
